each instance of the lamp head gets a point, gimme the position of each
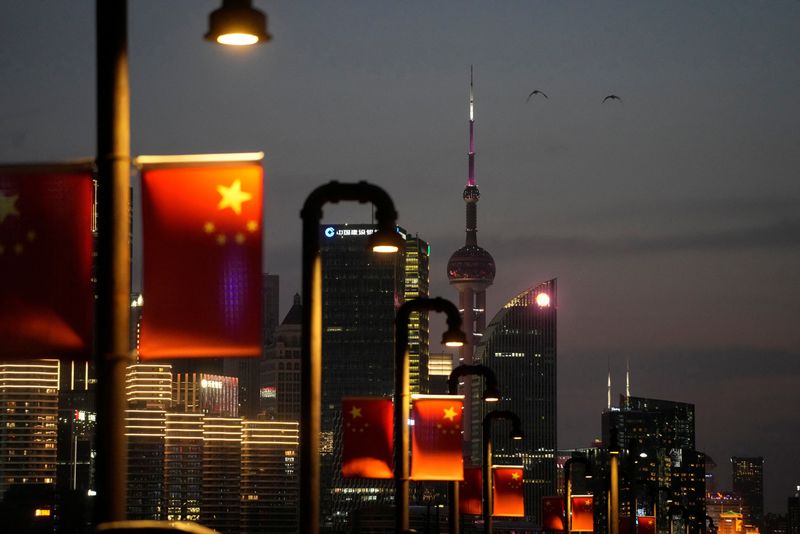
(491, 394)
(237, 23)
(385, 241)
(516, 434)
(454, 338)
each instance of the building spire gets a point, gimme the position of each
(627, 381)
(471, 174)
(609, 384)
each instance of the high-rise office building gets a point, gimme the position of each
(471, 270)
(519, 345)
(416, 284)
(361, 294)
(440, 365)
(661, 473)
(748, 482)
(280, 370)
(28, 423)
(793, 513)
(220, 503)
(183, 466)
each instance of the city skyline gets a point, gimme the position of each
(669, 218)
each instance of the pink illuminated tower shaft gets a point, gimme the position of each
(471, 270)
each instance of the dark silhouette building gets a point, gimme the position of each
(748, 483)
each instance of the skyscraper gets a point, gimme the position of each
(471, 269)
(519, 345)
(280, 370)
(28, 415)
(661, 473)
(748, 483)
(361, 294)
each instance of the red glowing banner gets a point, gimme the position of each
(471, 491)
(436, 452)
(367, 437)
(553, 513)
(202, 259)
(508, 499)
(46, 298)
(646, 524)
(582, 513)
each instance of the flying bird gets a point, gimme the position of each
(612, 97)
(535, 92)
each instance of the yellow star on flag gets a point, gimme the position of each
(515, 475)
(450, 413)
(232, 197)
(7, 206)
(355, 412)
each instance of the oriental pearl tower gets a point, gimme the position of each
(471, 268)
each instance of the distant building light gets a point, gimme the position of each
(543, 300)
(42, 512)
(91, 493)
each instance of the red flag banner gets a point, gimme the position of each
(470, 492)
(436, 451)
(646, 524)
(201, 257)
(46, 298)
(553, 513)
(582, 513)
(367, 437)
(508, 499)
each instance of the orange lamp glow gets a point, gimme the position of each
(543, 300)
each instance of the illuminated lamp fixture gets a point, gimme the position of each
(237, 23)
(385, 241)
(454, 338)
(543, 300)
(642, 455)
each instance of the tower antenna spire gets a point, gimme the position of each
(608, 403)
(471, 174)
(627, 381)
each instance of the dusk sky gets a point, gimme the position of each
(670, 219)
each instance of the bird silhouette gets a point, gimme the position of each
(612, 97)
(535, 92)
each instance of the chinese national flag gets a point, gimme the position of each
(366, 437)
(202, 260)
(647, 524)
(553, 513)
(46, 298)
(582, 513)
(471, 491)
(507, 500)
(436, 451)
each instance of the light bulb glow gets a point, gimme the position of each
(237, 39)
(543, 300)
(454, 344)
(385, 249)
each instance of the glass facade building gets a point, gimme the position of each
(519, 345)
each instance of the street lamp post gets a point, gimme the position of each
(516, 433)
(113, 268)
(568, 486)
(452, 337)
(384, 240)
(490, 394)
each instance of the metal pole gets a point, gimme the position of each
(614, 501)
(112, 351)
(487, 475)
(311, 375)
(567, 487)
(401, 395)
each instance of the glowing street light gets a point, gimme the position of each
(516, 434)
(543, 300)
(384, 240)
(491, 393)
(112, 353)
(237, 23)
(453, 337)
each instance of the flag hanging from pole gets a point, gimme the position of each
(582, 513)
(436, 450)
(470, 491)
(553, 513)
(201, 220)
(367, 437)
(508, 499)
(46, 298)
(646, 524)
